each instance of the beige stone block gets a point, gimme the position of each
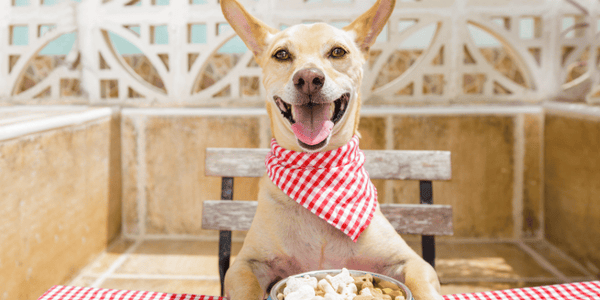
(571, 186)
(372, 130)
(115, 188)
(174, 158)
(55, 211)
(481, 188)
(129, 161)
(532, 176)
(266, 132)
(12, 272)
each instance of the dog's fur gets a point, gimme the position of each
(285, 238)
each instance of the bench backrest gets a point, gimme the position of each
(426, 219)
(405, 218)
(380, 164)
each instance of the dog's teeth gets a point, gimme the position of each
(331, 110)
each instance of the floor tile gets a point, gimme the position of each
(198, 287)
(84, 281)
(106, 259)
(462, 288)
(168, 257)
(555, 258)
(486, 261)
(177, 266)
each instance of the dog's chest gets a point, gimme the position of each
(312, 242)
(298, 240)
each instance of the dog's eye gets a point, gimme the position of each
(282, 55)
(338, 52)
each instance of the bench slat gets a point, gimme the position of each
(405, 218)
(381, 164)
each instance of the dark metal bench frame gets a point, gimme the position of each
(424, 166)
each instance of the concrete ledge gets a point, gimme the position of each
(365, 110)
(453, 110)
(572, 110)
(194, 111)
(71, 116)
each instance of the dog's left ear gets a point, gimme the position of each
(368, 26)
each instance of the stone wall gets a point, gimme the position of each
(572, 181)
(59, 196)
(68, 189)
(496, 164)
(163, 165)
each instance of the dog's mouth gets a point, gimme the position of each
(312, 123)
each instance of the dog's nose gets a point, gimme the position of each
(309, 81)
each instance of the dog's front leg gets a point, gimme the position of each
(420, 278)
(241, 283)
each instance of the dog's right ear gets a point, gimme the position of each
(251, 30)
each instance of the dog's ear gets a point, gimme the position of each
(251, 30)
(368, 26)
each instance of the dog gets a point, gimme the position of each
(312, 74)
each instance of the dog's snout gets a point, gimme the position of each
(309, 81)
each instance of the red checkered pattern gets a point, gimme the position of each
(86, 293)
(571, 291)
(333, 185)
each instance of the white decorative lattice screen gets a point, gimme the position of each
(182, 52)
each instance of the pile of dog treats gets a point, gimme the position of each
(340, 287)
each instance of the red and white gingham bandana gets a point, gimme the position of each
(333, 185)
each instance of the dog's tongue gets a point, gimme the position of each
(312, 123)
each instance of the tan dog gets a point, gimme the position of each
(312, 75)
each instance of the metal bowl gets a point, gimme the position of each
(279, 286)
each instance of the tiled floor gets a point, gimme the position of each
(190, 266)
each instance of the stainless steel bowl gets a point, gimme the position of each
(279, 286)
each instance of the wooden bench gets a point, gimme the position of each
(425, 219)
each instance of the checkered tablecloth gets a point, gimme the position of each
(59, 292)
(571, 291)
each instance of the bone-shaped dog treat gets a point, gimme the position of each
(295, 283)
(340, 287)
(325, 286)
(302, 293)
(366, 292)
(340, 280)
(363, 282)
(386, 284)
(300, 288)
(333, 296)
(349, 289)
(391, 292)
